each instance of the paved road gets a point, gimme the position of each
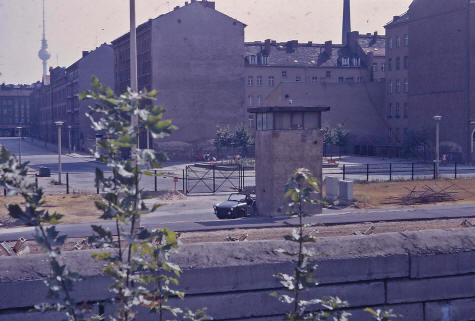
(189, 220)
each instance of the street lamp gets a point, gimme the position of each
(437, 129)
(69, 138)
(19, 143)
(59, 124)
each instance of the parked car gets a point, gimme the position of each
(237, 205)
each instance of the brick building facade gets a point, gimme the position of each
(397, 84)
(349, 78)
(59, 101)
(430, 60)
(15, 109)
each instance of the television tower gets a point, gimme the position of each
(44, 54)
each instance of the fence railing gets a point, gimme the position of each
(399, 171)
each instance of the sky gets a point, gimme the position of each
(76, 25)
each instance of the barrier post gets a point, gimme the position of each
(155, 179)
(67, 183)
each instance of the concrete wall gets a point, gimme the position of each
(197, 67)
(278, 154)
(426, 276)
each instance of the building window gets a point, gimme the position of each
(374, 67)
(250, 81)
(314, 79)
(398, 42)
(406, 40)
(390, 64)
(345, 61)
(259, 100)
(271, 81)
(284, 74)
(390, 132)
(265, 60)
(356, 62)
(390, 87)
(359, 79)
(259, 80)
(390, 110)
(252, 60)
(398, 111)
(383, 67)
(398, 63)
(398, 86)
(405, 110)
(328, 74)
(406, 62)
(298, 78)
(406, 86)
(249, 100)
(390, 43)
(341, 80)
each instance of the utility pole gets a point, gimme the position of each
(69, 138)
(59, 124)
(19, 143)
(133, 63)
(437, 157)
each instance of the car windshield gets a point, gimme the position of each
(237, 198)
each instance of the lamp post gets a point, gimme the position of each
(59, 124)
(19, 143)
(437, 130)
(69, 138)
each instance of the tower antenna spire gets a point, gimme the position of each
(43, 54)
(346, 21)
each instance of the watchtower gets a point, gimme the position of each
(287, 138)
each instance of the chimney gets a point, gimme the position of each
(346, 21)
(85, 53)
(292, 45)
(208, 4)
(267, 46)
(329, 48)
(395, 18)
(309, 44)
(176, 8)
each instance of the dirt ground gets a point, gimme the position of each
(387, 194)
(76, 208)
(80, 207)
(279, 233)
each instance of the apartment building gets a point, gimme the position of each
(15, 109)
(397, 79)
(193, 56)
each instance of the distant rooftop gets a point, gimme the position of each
(403, 18)
(293, 53)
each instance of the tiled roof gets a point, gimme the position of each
(398, 20)
(286, 54)
(373, 44)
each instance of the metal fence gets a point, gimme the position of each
(212, 178)
(400, 171)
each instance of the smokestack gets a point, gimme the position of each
(346, 21)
